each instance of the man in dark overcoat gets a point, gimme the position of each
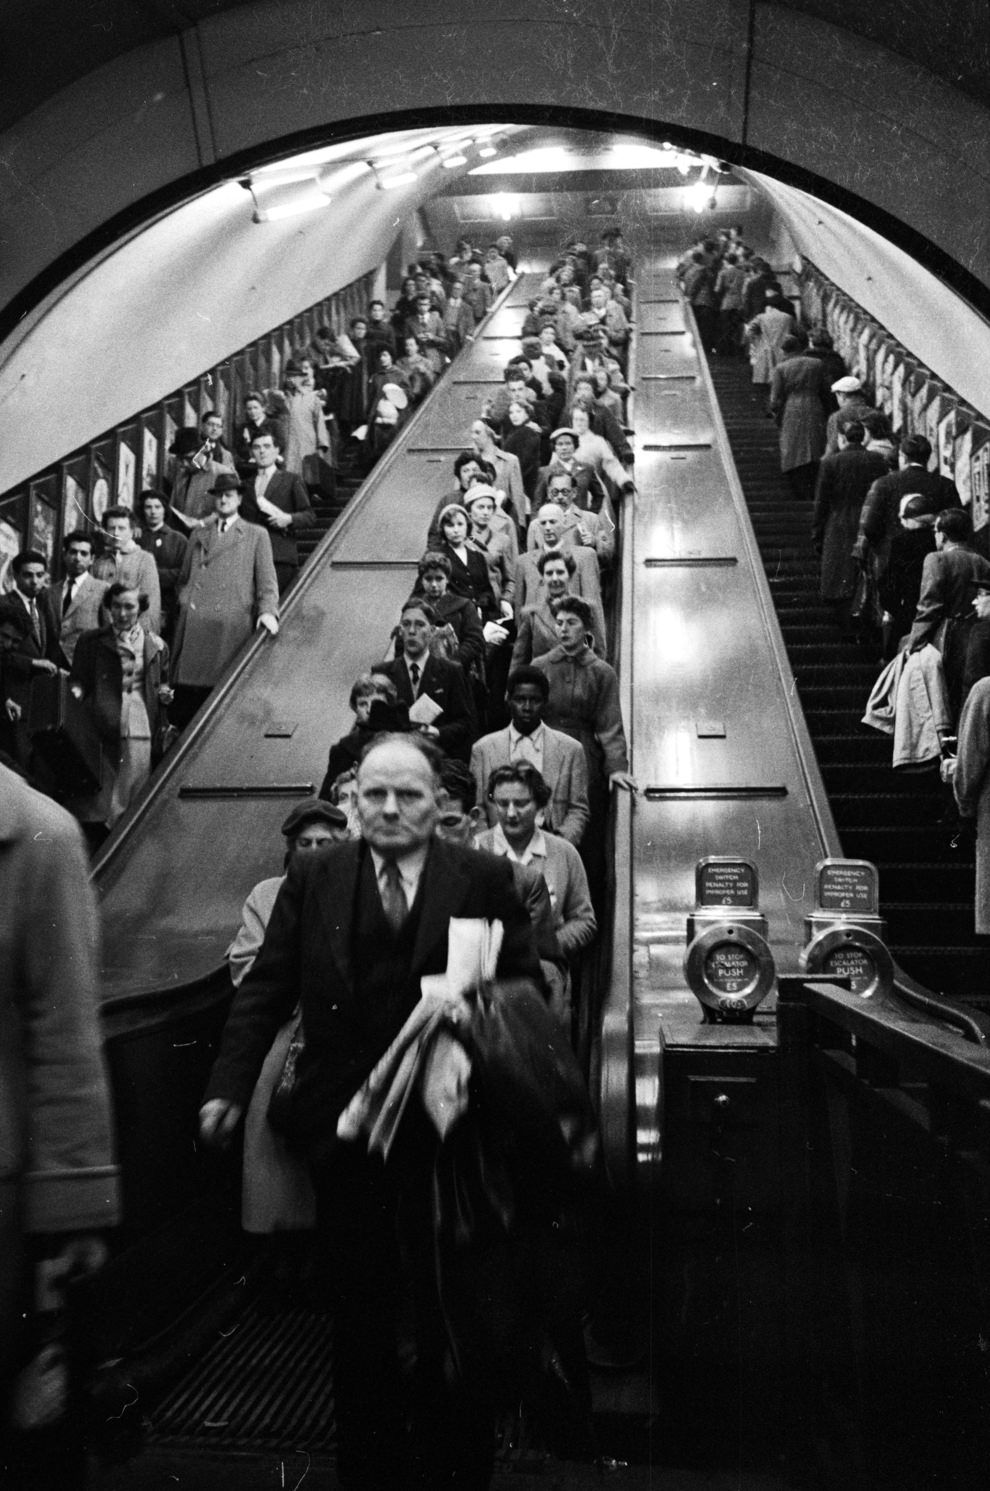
(354, 930)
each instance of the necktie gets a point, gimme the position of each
(222, 526)
(393, 896)
(36, 624)
(67, 598)
(414, 678)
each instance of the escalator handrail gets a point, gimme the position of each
(177, 758)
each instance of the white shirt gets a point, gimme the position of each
(527, 747)
(410, 868)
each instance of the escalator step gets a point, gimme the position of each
(951, 921)
(853, 751)
(831, 696)
(847, 778)
(913, 882)
(903, 841)
(881, 810)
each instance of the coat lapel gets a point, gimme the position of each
(336, 891)
(441, 893)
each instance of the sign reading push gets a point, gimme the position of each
(728, 963)
(845, 932)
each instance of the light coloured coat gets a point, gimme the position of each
(972, 788)
(227, 582)
(564, 771)
(83, 614)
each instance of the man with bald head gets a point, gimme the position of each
(354, 930)
(556, 538)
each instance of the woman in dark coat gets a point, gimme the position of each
(798, 395)
(469, 574)
(120, 672)
(843, 482)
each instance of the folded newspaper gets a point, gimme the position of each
(426, 1052)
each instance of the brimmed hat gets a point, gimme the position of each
(186, 442)
(564, 430)
(313, 810)
(848, 384)
(293, 366)
(227, 481)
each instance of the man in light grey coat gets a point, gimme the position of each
(227, 590)
(559, 759)
(76, 600)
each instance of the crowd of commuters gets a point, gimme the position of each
(899, 567)
(475, 782)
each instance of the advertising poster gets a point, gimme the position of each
(945, 443)
(73, 505)
(149, 458)
(897, 397)
(126, 467)
(962, 473)
(980, 479)
(42, 526)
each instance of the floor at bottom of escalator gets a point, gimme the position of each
(177, 1468)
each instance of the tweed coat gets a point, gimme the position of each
(227, 581)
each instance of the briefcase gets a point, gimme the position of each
(63, 735)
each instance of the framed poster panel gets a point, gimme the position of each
(190, 414)
(43, 518)
(12, 519)
(962, 468)
(74, 513)
(918, 394)
(150, 448)
(126, 471)
(934, 414)
(980, 479)
(864, 359)
(944, 443)
(897, 396)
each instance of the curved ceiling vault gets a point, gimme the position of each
(199, 90)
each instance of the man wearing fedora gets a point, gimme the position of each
(227, 589)
(278, 502)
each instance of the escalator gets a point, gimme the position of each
(892, 818)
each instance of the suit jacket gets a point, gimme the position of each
(83, 614)
(308, 956)
(586, 580)
(447, 686)
(947, 579)
(227, 582)
(288, 493)
(564, 771)
(600, 529)
(18, 672)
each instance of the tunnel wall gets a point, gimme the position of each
(760, 78)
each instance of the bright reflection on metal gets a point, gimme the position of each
(451, 161)
(506, 205)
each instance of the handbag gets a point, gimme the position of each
(280, 1102)
(865, 607)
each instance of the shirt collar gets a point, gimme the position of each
(410, 866)
(535, 849)
(536, 736)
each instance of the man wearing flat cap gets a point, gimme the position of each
(853, 404)
(227, 589)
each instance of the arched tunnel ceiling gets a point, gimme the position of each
(49, 44)
(163, 97)
(205, 279)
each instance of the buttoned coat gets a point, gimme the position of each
(308, 956)
(843, 482)
(564, 772)
(97, 669)
(227, 582)
(83, 614)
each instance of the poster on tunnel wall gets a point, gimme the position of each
(945, 443)
(980, 479)
(962, 470)
(897, 397)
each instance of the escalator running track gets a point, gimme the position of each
(888, 817)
